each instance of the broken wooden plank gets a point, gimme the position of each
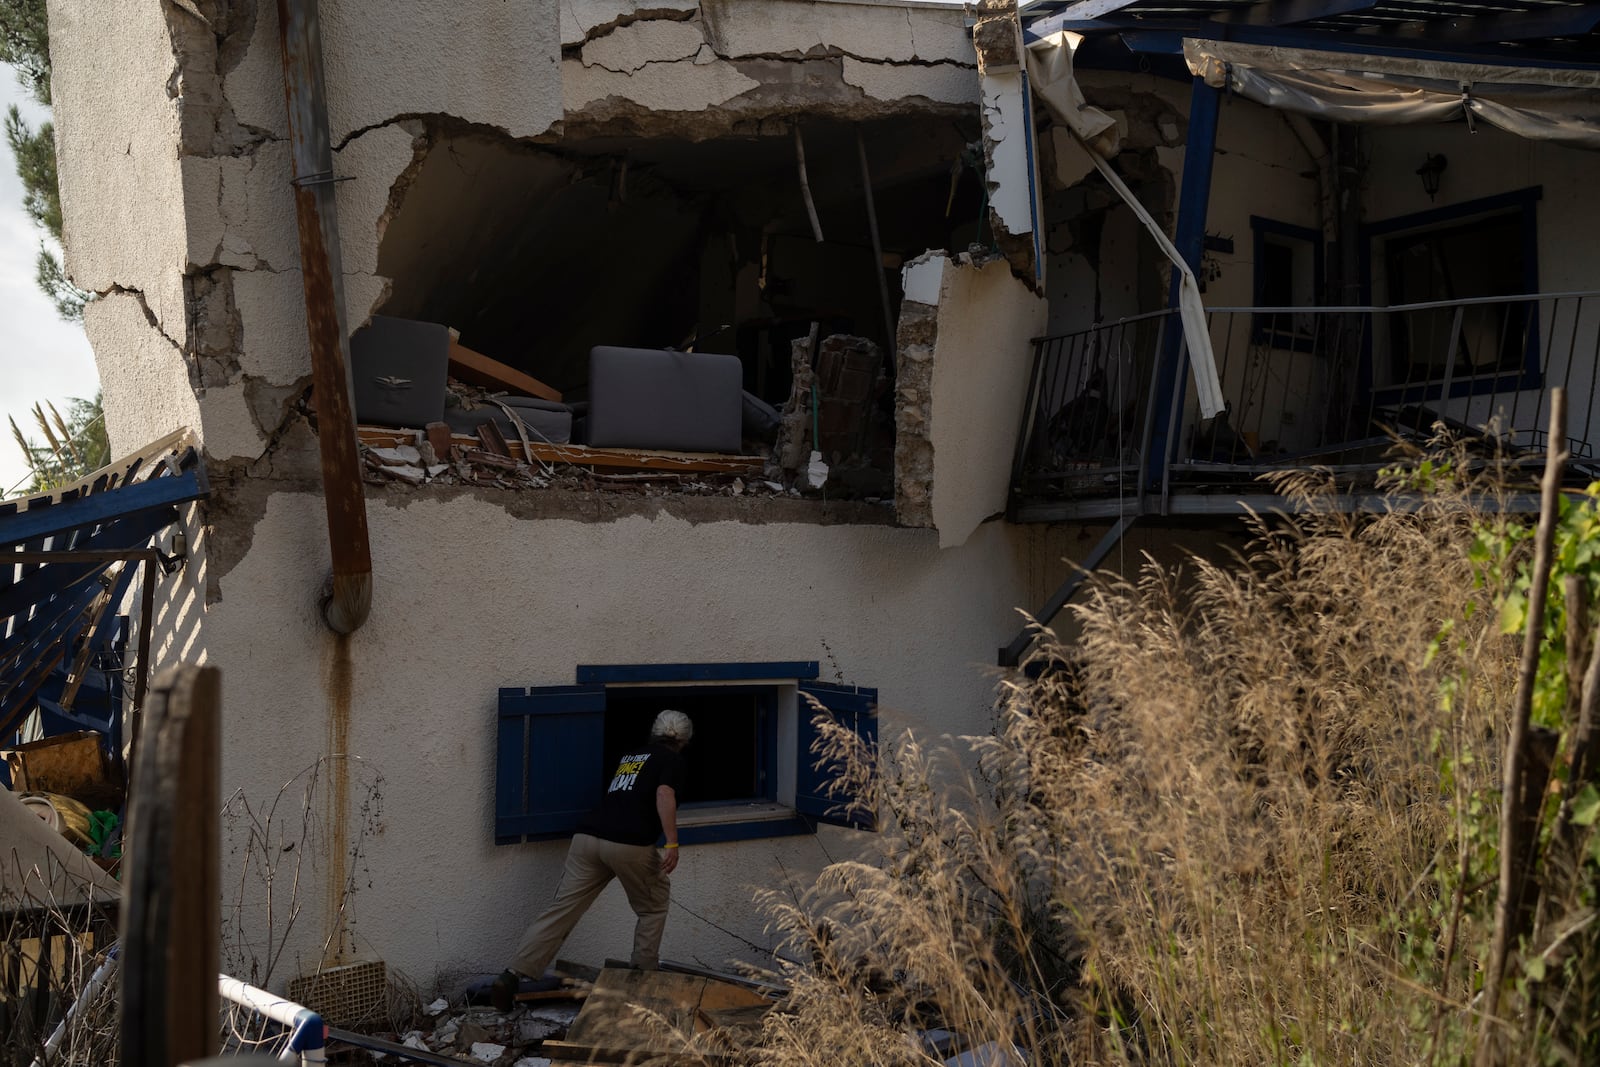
(638, 1009)
(748, 1017)
(721, 996)
(489, 459)
(582, 455)
(724, 976)
(570, 969)
(493, 440)
(475, 368)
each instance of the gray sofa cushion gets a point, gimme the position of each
(648, 398)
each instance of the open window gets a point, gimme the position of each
(751, 772)
(1482, 249)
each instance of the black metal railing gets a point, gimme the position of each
(1087, 419)
(1304, 387)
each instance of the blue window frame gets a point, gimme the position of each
(1288, 273)
(1478, 248)
(751, 769)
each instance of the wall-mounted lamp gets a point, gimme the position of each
(1430, 171)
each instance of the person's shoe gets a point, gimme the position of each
(503, 991)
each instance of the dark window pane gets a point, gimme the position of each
(1473, 259)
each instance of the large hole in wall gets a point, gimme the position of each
(537, 253)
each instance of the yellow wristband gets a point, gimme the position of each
(673, 845)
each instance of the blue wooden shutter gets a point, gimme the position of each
(548, 764)
(855, 707)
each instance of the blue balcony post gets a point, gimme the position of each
(1190, 239)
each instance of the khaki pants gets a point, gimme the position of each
(591, 863)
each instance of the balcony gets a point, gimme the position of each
(1326, 388)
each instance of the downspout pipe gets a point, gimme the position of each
(326, 322)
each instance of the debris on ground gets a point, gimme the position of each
(573, 1015)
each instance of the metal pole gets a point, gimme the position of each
(877, 245)
(326, 326)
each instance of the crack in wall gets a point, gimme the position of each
(209, 38)
(440, 122)
(606, 29)
(117, 289)
(834, 52)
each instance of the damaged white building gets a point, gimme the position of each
(972, 260)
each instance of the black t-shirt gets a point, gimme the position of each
(628, 813)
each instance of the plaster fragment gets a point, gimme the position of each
(405, 473)
(663, 87)
(404, 454)
(227, 427)
(944, 82)
(923, 277)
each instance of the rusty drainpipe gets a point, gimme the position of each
(322, 272)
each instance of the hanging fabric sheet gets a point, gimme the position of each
(1050, 72)
(1546, 104)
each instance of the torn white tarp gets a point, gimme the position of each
(1050, 71)
(1534, 102)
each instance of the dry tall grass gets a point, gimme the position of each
(1245, 820)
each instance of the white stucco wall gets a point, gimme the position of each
(117, 130)
(469, 598)
(981, 361)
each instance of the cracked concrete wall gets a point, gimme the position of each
(116, 135)
(963, 372)
(736, 61)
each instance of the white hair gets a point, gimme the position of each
(672, 726)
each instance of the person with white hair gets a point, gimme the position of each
(616, 840)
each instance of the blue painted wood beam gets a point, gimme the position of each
(55, 579)
(1194, 198)
(1164, 36)
(1290, 12)
(101, 507)
(36, 638)
(1573, 21)
(1094, 9)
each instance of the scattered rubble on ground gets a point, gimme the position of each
(578, 1015)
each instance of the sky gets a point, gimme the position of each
(41, 357)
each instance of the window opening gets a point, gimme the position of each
(731, 757)
(1480, 258)
(1288, 273)
(1462, 253)
(751, 770)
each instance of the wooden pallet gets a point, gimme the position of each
(653, 1017)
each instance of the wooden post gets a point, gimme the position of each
(170, 915)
